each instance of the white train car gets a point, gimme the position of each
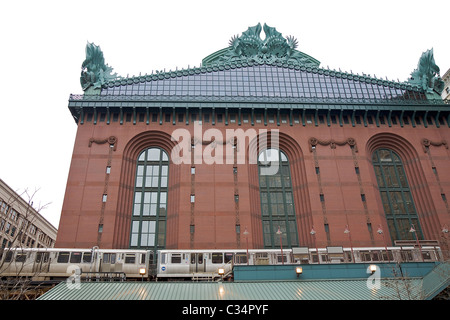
(53, 263)
(214, 263)
(130, 264)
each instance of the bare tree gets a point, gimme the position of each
(14, 283)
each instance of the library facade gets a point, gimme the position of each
(257, 147)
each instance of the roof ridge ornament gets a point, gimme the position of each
(272, 49)
(426, 76)
(94, 71)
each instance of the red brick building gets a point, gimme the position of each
(184, 159)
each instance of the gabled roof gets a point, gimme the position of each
(260, 70)
(264, 80)
(253, 73)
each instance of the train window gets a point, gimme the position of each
(63, 257)
(376, 256)
(87, 257)
(279, 258)
(426, 255)
(175, 258)
(217, 257)
(406, 256)
(130, 258)
(42, 257)
(240, 258)
(109, 258)
(315, 257)
(75, 257)
(163, 258)
(365, 256)
(387, 256)
(21, 257)
(228, 257)
(8, 256)
(143, 258)
(200, 258)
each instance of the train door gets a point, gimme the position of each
(198, 263)
(108, 262)
(41, 262)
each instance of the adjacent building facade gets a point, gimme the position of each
(20, 224)
(259, 147)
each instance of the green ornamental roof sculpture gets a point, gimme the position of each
(94, 71)
(250, 47)
(426, 76)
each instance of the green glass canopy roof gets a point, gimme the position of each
(258, 81)
(254, 73)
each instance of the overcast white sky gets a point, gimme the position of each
(43, 46)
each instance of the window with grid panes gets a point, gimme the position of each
(149, 213)
(277, 201)
(396, 195)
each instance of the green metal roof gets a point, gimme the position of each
(264, 290)
(418, 287)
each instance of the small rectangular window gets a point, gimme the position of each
(192, 170)
(75, 257)
(42, 257)
(192, 198)
(104, 197)
(317, 170)
(21, 257)
(109, 258)
(108, 170)
(63, 257)
(87, 257)
(357, 170)
(363, 197)
(130, 258)
(175, 258)
(322, 198)
(217, 257)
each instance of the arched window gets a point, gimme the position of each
(396, 196)
(149, 214)
(277, 201)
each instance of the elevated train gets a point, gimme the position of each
(120, 264)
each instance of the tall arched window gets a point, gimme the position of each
(149, 214)
(396, 196)
(277, 201)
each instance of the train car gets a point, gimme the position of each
(52, 263)
(119, 264)
(194, 264)
(105, 263)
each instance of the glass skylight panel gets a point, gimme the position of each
(263, 81)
